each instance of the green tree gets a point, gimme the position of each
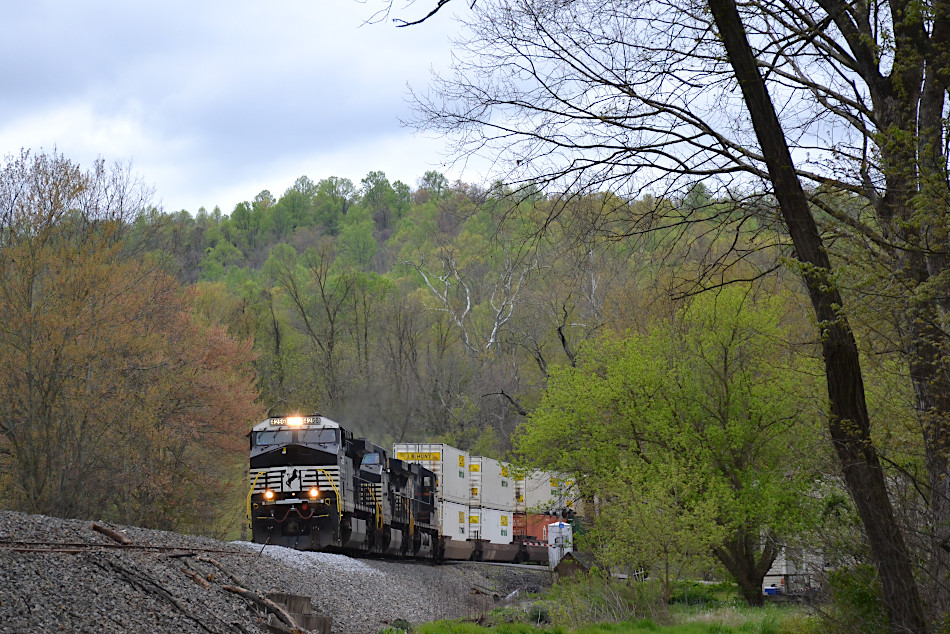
(333, 199)
(710, 418)
(295, 208)
(218, 259)
(356, 244)
(435, 183)
(659, 516)
(380, 198)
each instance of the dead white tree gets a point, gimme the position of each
(453, 291)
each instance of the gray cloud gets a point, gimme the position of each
(213, 101)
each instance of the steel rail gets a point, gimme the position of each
(74, 547)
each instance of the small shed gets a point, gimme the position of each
(573, 563)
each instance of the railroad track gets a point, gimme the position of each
(78, 547)
(73, 548)
(533, 567)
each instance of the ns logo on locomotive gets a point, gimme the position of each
(315, 487)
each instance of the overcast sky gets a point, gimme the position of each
(213, 101)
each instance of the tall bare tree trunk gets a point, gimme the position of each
(849, 423)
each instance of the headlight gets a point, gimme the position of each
(268, 495)
(295, 421)
(314, 492)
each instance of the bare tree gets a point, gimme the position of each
(454, 294)
(319, 295)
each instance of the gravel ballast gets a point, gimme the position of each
(178, 583)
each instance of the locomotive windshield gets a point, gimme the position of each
(265, 438)
(323, 436)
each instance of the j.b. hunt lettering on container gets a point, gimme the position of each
(410, 456)
(450, 465)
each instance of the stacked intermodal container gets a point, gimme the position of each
(487, 510)
(540, 492)
(492, 500)
(491, 508)
(453, 518)
(450, 466)
(491, 484)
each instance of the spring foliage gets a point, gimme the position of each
(694, 437)
(118, 402)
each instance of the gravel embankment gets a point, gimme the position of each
(114, 589)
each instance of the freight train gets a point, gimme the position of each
(314, 486)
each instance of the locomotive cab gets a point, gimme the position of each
(315, 487)
(295, 466)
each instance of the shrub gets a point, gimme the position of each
(706, 594)
(539, 614)
(596, 598)
(855, 603)
(532, 614)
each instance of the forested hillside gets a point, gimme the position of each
(406, 311)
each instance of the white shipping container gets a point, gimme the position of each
(491, 484)
(453, 518)
(542, 491)
(507, 497)
(449, 464)
(539, 491)
(496, 525)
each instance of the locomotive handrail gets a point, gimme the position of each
(339, 508)
(250, 493)
(379, 509)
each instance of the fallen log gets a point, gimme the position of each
(111, 534)
(220, 567)
(196, 578)
(267, 604)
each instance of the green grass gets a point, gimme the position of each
(599, 605)
(706, 594)
(770, 619)
(686, 620)
(456, 627)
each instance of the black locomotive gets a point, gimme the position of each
(315, 487)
